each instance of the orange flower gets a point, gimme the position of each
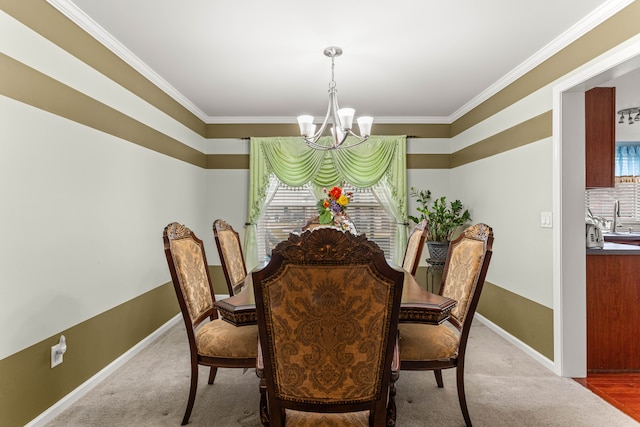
(326, 203)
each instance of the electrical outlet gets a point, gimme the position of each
(546, 220)
(57, 351)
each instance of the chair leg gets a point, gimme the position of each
(438, 375)
(264, 408)
(192, 392)
(461, 396)
(391, 407)
(212, 374)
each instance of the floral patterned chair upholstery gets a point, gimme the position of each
(212, 341)
(231, 256)
(327, 306)
(437, 347)
(415, 244)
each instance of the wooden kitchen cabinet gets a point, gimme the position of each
(613, 313)
(600, 136)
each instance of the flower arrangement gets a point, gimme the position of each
(332, 208)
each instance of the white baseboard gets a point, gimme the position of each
(62, 404)
(543, 360)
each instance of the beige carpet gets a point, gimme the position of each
(505, 387)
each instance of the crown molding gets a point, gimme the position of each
(602, 13)
(84, 21)
(288, 120)
(598, 16)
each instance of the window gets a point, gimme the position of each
(626, 191)
(627, 187)
(292, 207)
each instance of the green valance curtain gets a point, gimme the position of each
(378, 163)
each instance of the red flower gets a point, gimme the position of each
(335, 193)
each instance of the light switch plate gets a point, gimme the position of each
(546, 220)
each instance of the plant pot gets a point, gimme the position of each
(437, 252)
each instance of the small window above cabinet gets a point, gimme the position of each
(600, 136)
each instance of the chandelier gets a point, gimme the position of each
(629, 112)
(341, 118)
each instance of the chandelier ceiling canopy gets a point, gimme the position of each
(341, 119)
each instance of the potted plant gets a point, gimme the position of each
(443, 220)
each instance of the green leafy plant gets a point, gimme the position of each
(444, 218)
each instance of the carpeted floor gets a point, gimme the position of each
(504, 386)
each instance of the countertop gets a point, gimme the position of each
(615, 249)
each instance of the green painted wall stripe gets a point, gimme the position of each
(529, 131)
(245, 131)
(228, 161)
(30, 385)
(32, 87)
(428, 161)
(530, 322)
(45, 20)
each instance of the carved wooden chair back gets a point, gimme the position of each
(212, 341)
(437, 347)
(231, 256)
(415, 244)
(465, 270)
(327, 306)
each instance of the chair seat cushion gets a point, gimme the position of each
(427, 342)
(314, 419)
(219, 338)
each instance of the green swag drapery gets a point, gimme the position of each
(378, 163)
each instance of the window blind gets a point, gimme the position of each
(627, 192)
(292, 207)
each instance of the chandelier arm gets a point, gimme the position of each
(360, 141)
(360, 137)
(313, 139)
(317, 146)
(333, 105)
(339, 147)
(320, 131)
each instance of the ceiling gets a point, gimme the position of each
(256, 61)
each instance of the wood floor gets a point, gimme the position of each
(620, 390)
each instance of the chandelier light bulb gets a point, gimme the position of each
(364, 125)
(306, 125)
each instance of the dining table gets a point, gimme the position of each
(417, 305)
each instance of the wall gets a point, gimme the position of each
(83, 213)
(95, 161)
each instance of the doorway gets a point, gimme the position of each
(569, 264)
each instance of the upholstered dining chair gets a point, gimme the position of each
(212, 341)
(437, 347)
(231, 256)
(327, 306)
(415, 244)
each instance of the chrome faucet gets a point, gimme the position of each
(616, 215)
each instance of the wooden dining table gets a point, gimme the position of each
(417, 305)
